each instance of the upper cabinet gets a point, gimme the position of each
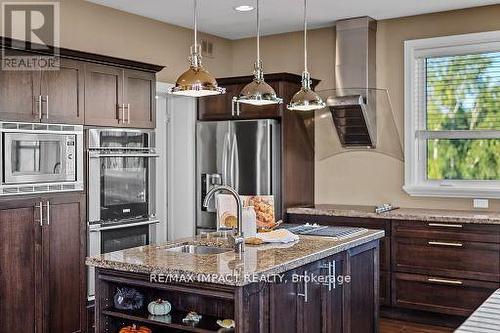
(119, 97)
(54, 96)
(20, 95)
(221, 107)
(87, 89)
(139, 98)
(104, 95)
(62, 93)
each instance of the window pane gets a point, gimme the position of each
(463, 92)
(463, 159)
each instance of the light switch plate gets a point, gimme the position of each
(481, 203)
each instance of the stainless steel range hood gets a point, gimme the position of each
(353, 107)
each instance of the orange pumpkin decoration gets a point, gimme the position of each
(135, 329)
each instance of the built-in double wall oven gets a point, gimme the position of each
(121, 180)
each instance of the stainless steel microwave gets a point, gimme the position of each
(39, 158)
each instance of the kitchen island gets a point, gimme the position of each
(316, 284)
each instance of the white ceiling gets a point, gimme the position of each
(217, 17)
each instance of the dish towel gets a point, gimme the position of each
(277, 236)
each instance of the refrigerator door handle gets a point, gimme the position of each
(235, 164)
(225, 151)
(270, 162)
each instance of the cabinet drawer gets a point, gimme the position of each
(484, 233)
(456, 259)
(439, 294)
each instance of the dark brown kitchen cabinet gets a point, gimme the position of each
(385, 242)
(139, 98)
(19, 94)
(104, 95)
(42, 254)
(431, 272)
(221, 107)
(119, 97)
(63, 236)
(54, 96)
(20, 262)
(62, 93)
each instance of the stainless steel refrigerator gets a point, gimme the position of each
(244, 154)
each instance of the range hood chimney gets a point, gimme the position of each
(353, 108)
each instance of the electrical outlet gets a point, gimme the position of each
(481, 203)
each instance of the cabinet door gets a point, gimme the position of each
(63, 238)
(333, 295)
(103, 95)
(140, 92)
(221, 107)
(218, 107)
(20, 262)
(19, 95)
(62, 93)
(311, 300)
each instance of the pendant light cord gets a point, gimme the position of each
(258, 32)
(305, 35)
(196, 25)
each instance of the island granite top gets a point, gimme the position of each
(227, 268)
(414, 214)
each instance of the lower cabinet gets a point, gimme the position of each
(42, 246)
(20, 262)
(441, 269)
(333, 306)
(438, 294)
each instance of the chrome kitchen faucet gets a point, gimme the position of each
(237, 240)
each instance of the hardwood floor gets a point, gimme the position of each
(396, 326)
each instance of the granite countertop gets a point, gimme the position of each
(415, 214)
(227, 268)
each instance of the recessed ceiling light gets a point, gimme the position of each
(244, 8)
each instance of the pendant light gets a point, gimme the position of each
(196, 81)
(258, 92)
(306, 99)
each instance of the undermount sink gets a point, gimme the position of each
(198, 249)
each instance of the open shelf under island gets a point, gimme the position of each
(316, 284)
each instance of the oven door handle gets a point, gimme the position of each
(97, 228)
(97, 155)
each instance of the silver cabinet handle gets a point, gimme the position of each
(39, 101)
(128, 113)
(47, 205)
(47, 105)
(444, 225)
(233, 105)
(305, 294)
(445, 244)
(331, 273)
(446, 281)
(40, 211)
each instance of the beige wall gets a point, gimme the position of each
(93, 28)
(368, 178)
(353, 178)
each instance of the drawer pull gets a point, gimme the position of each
(441, 225)
(454, 282)
(446, 244)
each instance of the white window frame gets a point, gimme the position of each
(416, 182)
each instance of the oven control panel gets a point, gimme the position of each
(70, 154)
